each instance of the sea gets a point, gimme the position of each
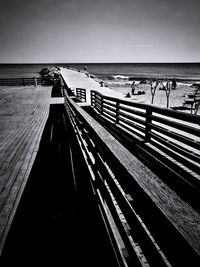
(115, 72)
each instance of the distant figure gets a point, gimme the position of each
(35, 81)
(128, 95)
(88, 75)
(133, 88)
(173, 83)
(86, 72)
(101, 83)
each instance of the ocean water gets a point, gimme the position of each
(113, 71)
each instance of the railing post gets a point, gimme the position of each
(101, 105)
(117, 111)
(148, 124)
(35, 81)
(84, 93)
(93, 95)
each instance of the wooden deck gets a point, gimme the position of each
(57, 220)
(181, 218)
(23, 114)
(164, 214)
(75, 79)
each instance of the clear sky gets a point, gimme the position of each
(72, 31)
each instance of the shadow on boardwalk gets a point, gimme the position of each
(57, 221)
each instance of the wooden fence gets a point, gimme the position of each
(129, 194)
(173, 134)
(28, 81)
(193, 101)
(81, 94)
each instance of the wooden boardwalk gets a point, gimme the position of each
(179, 216)
(57, 220)
(54, 213)
(23, 114)
(75, 79)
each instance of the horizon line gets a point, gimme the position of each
(156, 62)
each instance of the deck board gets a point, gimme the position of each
(23, 114)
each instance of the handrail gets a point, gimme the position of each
(28, 81)
(173, 132)
(127, 191)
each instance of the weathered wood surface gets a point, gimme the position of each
(184, 218)
(75, 79)
(57, 100)
(23, 114)
(174, 135)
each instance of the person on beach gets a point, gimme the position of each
(35, 81)
(86, 72)
(128, 95)
(133, 85)
(174, 83)
(101, 83)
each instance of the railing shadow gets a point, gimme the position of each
(57, 220)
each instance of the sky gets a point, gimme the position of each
(87, 31)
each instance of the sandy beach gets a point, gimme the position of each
(121, 89)
(176, 96)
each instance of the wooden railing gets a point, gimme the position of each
(28, 81)
(175, 134)
(81, 94)
(134, 203)
(193, 101)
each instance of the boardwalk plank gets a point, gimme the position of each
(23, 115)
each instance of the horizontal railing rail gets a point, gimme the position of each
(28, 81)
(126, 193)
(177, 134)
(81, 94)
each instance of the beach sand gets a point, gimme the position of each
(160, 99)
(121, 89)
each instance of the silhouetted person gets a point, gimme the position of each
(128, 95)
(101, 83)
(35, 81)
(133, 88)
(173, 83)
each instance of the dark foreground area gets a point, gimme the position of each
(58, 221)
